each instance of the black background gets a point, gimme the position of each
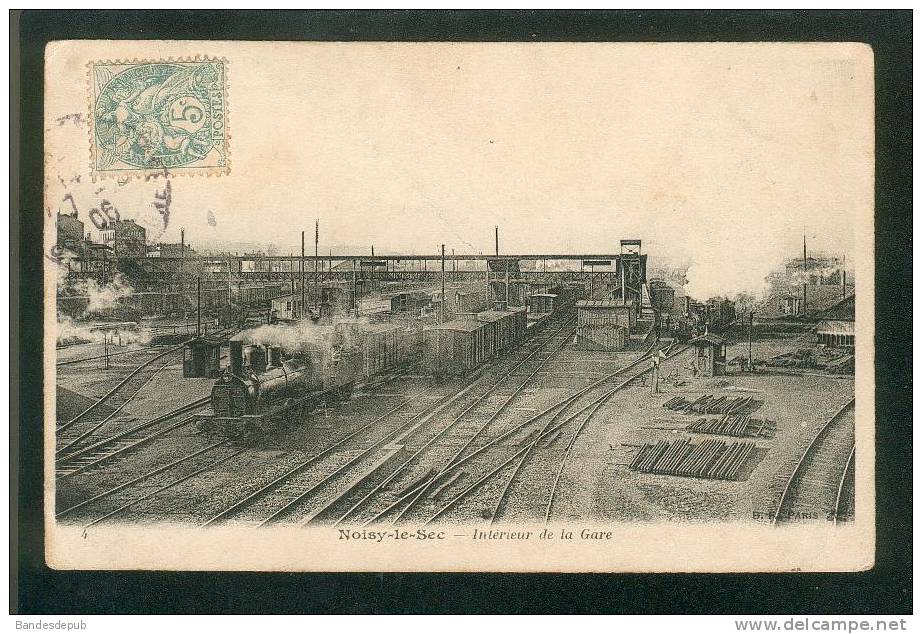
(35, 589)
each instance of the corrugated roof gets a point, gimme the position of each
(709, 338)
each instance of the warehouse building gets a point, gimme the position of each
(128, 239)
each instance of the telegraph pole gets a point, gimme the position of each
(316, 260)
(442, 303)
(355, 299)
(182, 261)
(198, 306)
(303, 305)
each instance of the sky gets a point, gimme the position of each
(720, 157)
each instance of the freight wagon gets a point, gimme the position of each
(454, 348)
(541, 303)
(377, 344)
(383, 346)
(458, 346)
(409, 302)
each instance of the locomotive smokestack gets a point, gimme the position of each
(236, 357)
(269, 357)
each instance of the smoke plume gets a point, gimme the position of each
(293, 338)
(105, 298)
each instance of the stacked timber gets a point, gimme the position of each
(738, 425)
(710, 404)
(711, 459)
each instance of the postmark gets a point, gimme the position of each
(150, 116)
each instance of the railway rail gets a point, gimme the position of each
(845, 496)
(116, 399)
(111, 355)
(413, 477)
(94, 417)
(528, 470)
(119, 499)
(814, 490)
(413, 493)
(307, 479)
(313, 481)
(122, 443)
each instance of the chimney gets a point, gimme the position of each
(236, 357)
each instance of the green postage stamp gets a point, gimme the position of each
(159, 115)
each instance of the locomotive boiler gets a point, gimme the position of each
(264, 391)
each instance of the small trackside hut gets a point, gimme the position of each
(710, 355)
(202, 358)
(836, 328)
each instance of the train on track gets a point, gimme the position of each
(264, 391)
(457, 347)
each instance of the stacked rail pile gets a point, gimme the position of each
(711, 459)
(710, 404)
(738, 425)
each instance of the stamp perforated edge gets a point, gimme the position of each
(148, 174)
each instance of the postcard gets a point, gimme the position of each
(432, 306)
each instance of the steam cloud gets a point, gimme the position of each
(294, 338)
(104, 298)
(69, 333)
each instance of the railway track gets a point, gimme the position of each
(819, 487)
(115, 400)
(140, 350)
(314, 488)
(121, 498)
(460, 428)
(108, 406)
(433, 485)
(78, 460)
(523, 486)
(318, 477)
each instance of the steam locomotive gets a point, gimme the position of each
(714, 315)
(263, 393)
